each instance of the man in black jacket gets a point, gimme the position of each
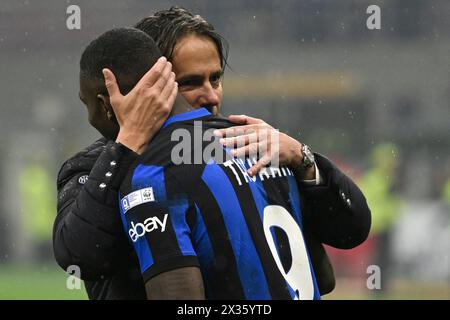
(88, 231)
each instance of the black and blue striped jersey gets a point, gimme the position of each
(244, 233)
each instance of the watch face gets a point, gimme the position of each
(308, 156)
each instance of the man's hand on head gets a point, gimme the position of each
(254, 136)
(144, 109)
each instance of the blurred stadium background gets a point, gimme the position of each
(376, 102)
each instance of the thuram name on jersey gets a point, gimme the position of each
(239, 168)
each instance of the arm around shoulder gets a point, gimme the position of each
(337, 210)
(87, 230)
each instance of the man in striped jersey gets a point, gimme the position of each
(226, 234)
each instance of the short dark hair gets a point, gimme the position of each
(128, 52)
(166, 27)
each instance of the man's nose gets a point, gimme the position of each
(209, 96)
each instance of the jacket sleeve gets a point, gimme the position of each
(337, 210)
(88, 231)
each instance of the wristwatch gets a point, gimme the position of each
(308, 157)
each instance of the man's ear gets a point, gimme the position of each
(104, 102)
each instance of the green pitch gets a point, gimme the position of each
(45, 282)
(40, 282)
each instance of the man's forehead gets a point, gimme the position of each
(196, 56)
(196, 68)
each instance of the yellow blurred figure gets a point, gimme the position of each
(378, 187)
(38, 205)
(446, 192)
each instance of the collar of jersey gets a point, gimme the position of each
(197, 113)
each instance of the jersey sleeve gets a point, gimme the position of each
(154, 212)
